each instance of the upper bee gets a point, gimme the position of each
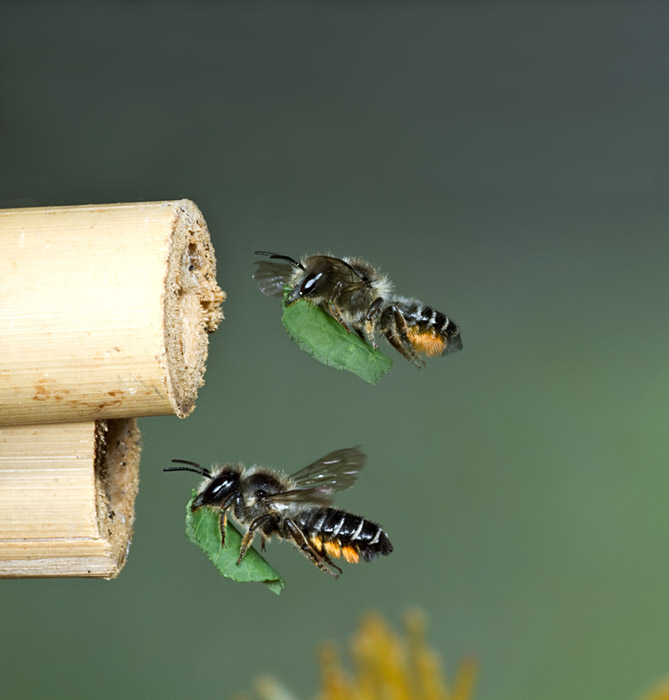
(362, 300)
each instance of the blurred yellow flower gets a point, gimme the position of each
(386, 667)
(661, 692)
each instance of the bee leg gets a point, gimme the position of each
(306, 549)
(366, 329)
(330, 562)
(394, 327)
(222, 524)
(248, 537)
(366, 332)
(333, 310)
(223, 516)
(365, 336)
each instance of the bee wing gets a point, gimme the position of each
(272, 277)
(346, 272)
(317, 482)
(336, 471)
(354, 290)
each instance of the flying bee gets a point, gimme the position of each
(362, 300)
(295, 508)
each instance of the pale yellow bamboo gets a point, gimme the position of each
(105, 310)
(67, 494)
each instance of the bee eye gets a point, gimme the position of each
(218, 488)
(309, 284)
(261, 493)
(221, 486)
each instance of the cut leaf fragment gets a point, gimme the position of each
(202, 528)
(327, 341)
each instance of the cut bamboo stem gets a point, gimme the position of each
(105, 311)
(67, 494)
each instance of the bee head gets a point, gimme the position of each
(314, 282)
(219, 487)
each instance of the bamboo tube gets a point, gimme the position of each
(105, 310)
(67, 494)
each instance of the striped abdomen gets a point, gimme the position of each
(341, 534)
(429, 331)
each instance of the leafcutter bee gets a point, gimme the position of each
(362, 300)
(295, 508)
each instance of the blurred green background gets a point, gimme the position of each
(506, 163)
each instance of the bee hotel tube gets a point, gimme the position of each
(105, 311)
(67, 493)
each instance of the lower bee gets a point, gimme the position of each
(295, 508)
(362, 300)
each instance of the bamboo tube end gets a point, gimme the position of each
(118, 447)
(105, 310)
(67, 496)
(192, 304)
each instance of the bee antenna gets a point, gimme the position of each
(280, 257)
(193, 467)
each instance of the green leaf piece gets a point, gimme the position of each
(202, 528)
(327, 341)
